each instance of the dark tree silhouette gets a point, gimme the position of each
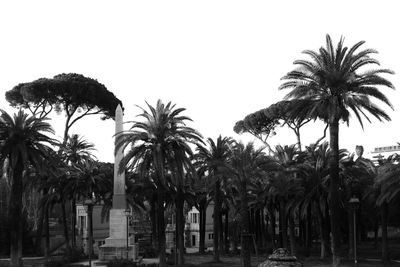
(78, 96)
(331, 84)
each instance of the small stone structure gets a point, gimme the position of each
(281, 258)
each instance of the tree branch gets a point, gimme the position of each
(86, 113)
(319, 140)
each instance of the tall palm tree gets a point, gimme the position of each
(23, 141)
(213, 159)
(159, 142)
(330, 85)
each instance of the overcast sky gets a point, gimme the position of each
(221, 60)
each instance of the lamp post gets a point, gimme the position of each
(354, 203)
(88, 205)
(128, 214)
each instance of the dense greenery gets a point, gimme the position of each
(169, 168)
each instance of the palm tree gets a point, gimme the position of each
(213, 158)
(286, 187)
(76, 151)
(23, 141)
(333, 82)
(245, 165)
(160, 142)
(386, 188)
(316, 185)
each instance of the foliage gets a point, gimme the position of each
(334, 82)
(78, 96)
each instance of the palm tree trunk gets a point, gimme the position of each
(273, 226)
(385, 247)
(283, 221)
(180, 227)
(221, 233)
(263, 237)
(15, 215)
(323, 238)
(334, 207)
(39, 231)
(351, 233)
(161, 227)
(90, 230)
(226, 231)
(308, 230)
(376, 229)
(292, 235)
(65, 224)
(47, 233)
(73, 220)
(245, 224)
(216, 225)
(153, 218)
(202, 226)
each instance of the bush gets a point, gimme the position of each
(128, 263)
(55, 263)
(73, 255)
(121, 263)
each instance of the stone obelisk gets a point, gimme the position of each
(116, 245)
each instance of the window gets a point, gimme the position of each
(194, 217)
(210, 236)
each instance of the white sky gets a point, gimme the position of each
(219, 59)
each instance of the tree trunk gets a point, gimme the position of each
(323, 236)
(216, 221)
(90, 230)
(73, 222)
(351, 233)
(226, 231)
(308, 231)
(292, 235)
(180, 226)
(39, 231)
(273, 226)
(202, 226)
(376, 228)
(283, 221)
(263, 235)
(153, 218)
(385, 247)
(161, 227)
(15, 216)
(334, 207)
(245, 225)
(221, 233)
(47, 233)
(65, 224)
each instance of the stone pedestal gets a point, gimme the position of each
(112, 252)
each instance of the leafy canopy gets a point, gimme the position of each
(69, 92)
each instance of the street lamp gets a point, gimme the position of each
(128, 214)
(88, 205)
(354, 203)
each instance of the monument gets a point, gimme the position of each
(118, 244)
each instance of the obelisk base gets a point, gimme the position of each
(108, 253)
(115, 246)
